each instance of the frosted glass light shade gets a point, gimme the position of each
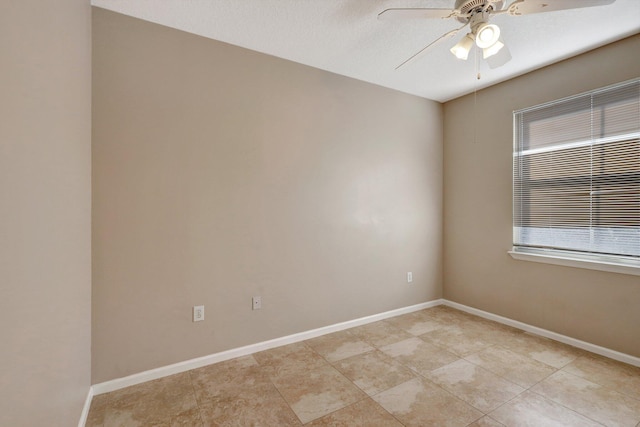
(461, 50)
(492, 50)
(487, 35)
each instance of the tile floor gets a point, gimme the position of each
(435, 367)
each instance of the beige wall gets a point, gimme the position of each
(597, 307)
(220, 173)
(45, 211)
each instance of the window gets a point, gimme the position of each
(576, 177)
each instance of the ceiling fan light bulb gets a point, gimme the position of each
(487, 35)
(492, 50)
(461, 50)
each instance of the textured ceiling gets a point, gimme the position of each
(345, 37)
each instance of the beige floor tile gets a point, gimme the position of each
(607, 372)
(374, 372)
(532, 410)
(592, 400)
(317, 392)
(121, 418)
(489, 330)
(544, 350)
(227, 379)
(419, 403)
(190, 418)
(518, 369)
(493, 332)
(447, 315)
(415, 323)
(152, 403)
(418, 355)
(339, 345)
(486, 421)
(260, 406)
(289, 359)
(365, 413)
(476, 386)
(457, 340)
(380, 333)
(99, 404)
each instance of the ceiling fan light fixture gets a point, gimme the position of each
(488, 52)
(487, 35)
(462, 48)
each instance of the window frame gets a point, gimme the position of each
(617, 263)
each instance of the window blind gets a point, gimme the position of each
(576, 173)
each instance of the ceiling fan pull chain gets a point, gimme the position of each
(477, 60)
(475, 97)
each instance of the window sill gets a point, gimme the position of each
(559, 258)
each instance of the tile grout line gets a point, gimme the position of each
(370, 397)
(524, 389)
(283, 398)
(195, 395)
(374, 348)
(593, 380)
(331, 365)
(505, 378)
(566, 407)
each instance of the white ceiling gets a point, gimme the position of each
(345, 37)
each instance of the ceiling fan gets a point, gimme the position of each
(476, 14)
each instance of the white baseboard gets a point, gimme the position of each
(85, 408)
(199, 362)
(612, 354)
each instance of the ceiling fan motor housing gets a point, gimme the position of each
(467, 8)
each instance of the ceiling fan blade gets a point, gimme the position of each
(425, 49)
(401, 14)
(500, 58)
(525, 7)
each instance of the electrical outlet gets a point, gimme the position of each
(198, 313)
(409, 277)
(256, 303)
